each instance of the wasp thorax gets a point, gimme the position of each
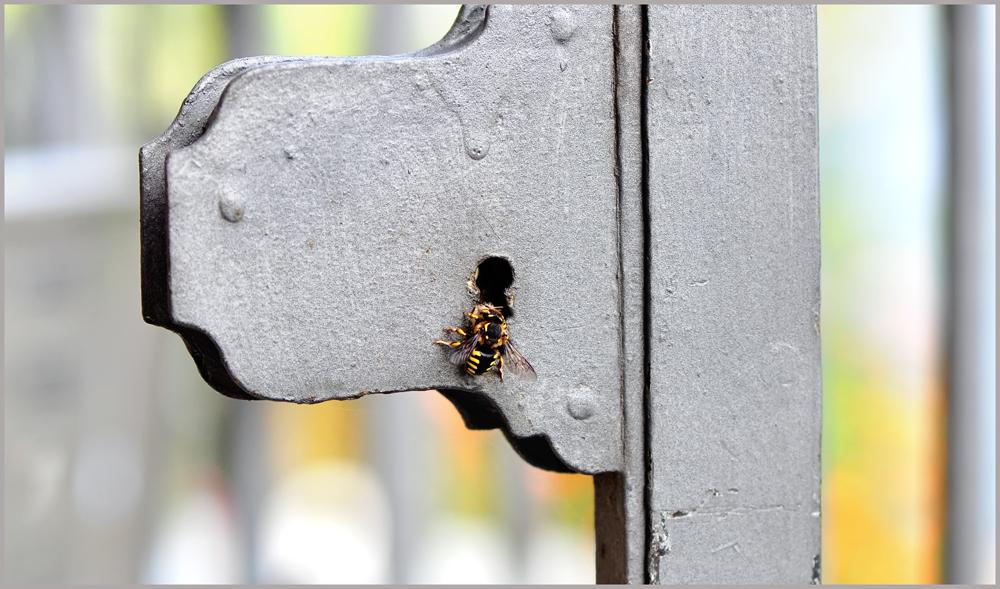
(493, 332)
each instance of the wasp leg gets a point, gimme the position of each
(456, 330)
(448, 343)
(500, 368)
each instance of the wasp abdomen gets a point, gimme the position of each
(482, 360)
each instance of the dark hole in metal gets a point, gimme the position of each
(493, 277)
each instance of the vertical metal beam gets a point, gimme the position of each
(735, 388)
(966, 525)
(390, 31)
(244, 30)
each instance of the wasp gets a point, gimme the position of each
(487, 345)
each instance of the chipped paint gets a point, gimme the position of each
(659, 546)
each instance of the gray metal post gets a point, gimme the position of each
(734, 347)
(967, 528)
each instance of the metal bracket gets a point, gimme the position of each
(310, 225)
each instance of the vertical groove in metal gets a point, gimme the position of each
(646, 298)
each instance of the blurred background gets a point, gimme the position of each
(122, 466)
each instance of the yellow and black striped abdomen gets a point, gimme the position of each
(481, 360)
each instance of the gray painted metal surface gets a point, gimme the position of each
(323, 228)
(187, 127)
(735, 404)
(311, 225)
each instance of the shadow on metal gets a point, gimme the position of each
(479, 412)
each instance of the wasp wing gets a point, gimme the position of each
(460, 355)
(517, 363)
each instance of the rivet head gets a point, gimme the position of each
(562, 25)
(581, 404)
(231, 205)
(476, 148)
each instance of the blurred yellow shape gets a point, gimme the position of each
(152, 56)
(13, 16)
(567, 499)
(470, 469)
(468, 463)
(303, 435)
(884, 472)
(339, 29)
